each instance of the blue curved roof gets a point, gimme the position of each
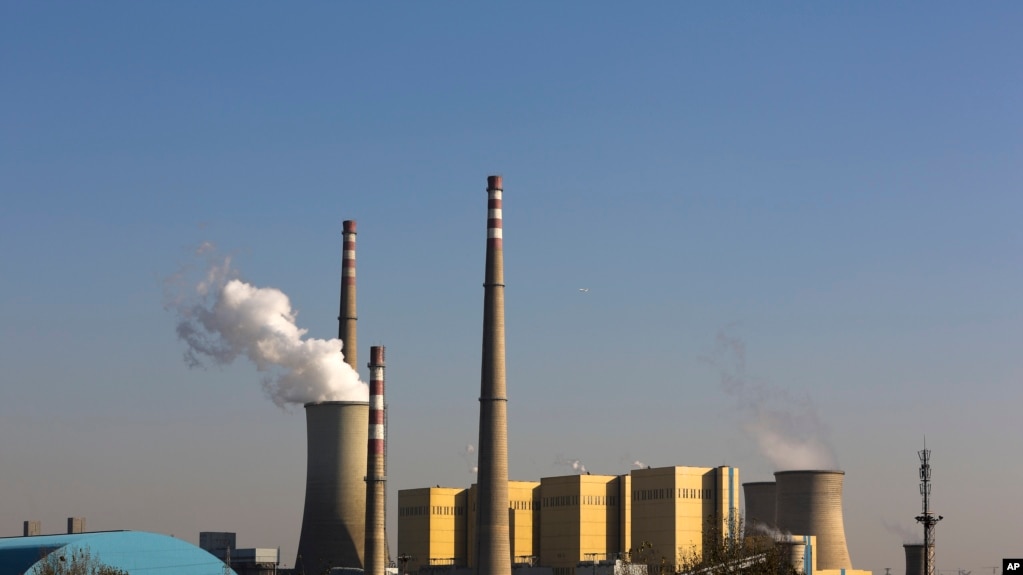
(136, 552)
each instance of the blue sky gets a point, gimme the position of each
(835, 185)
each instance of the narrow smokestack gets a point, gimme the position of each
(347, 318)
(810, 503)
(493, 545)
(376, 537)
(759, 517)
(914, 558)
(334, 519)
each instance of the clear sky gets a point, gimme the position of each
(834, 186)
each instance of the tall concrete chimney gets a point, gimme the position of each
(914, 558)
(334, 520)
(347, 318)
(759, 507)
(493, 548)
(376, 536)
(810, 503)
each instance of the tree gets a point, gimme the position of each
(69, 561)
(734, 553)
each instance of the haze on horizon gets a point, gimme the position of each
(831, 190)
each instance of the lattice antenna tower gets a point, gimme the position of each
(928, 519)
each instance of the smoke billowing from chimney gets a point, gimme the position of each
(908, 535)
(221, 318)
(575, 464)
(787, 430)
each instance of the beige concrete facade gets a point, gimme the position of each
(523, 521)
(678, 510)
(579, 520)
(432, 526)
(562, 521)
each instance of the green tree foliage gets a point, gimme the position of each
(67, 561)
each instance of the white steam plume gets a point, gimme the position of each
(772, 532)
(787, 430)
(222, 318)
(639, 464)
(575, 464)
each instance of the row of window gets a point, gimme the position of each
(573, 500)
(420, 510)
(562, 501)
(524, 505)
(680, 493)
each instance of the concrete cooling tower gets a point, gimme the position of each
(793, 554)
(334, 520)
(810, 503)
(914, 558)
(759, 507)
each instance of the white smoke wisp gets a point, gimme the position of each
(469, 456)
(773, 532)
(787, 430)
(908, 535)
(639, 464)
(575, 464)
(224, 318)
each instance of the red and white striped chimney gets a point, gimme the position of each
(493, 546)
(376, 536)
(347, 317)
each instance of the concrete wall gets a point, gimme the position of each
(334, 521)
(810, 502)
(432, 526)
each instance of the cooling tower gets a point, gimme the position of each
(810, 502)
(334, 520)
(376, 538)
(792, 554)
(347, 316)
(759, 518)
(493, 548)
(914, 558)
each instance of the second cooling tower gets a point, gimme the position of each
(914, 558)
(334, 521)
(810, 503)
(759, 518)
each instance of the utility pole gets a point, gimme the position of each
(927, 518)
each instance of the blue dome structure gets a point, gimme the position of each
(137, 552)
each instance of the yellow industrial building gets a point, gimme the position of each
(561, 521)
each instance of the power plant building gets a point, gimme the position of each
(579, 520)
(523, 519)
(131, 551)
(682, 509)
(560, 522)
(432, 526)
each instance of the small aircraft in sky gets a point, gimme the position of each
(584, 290)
